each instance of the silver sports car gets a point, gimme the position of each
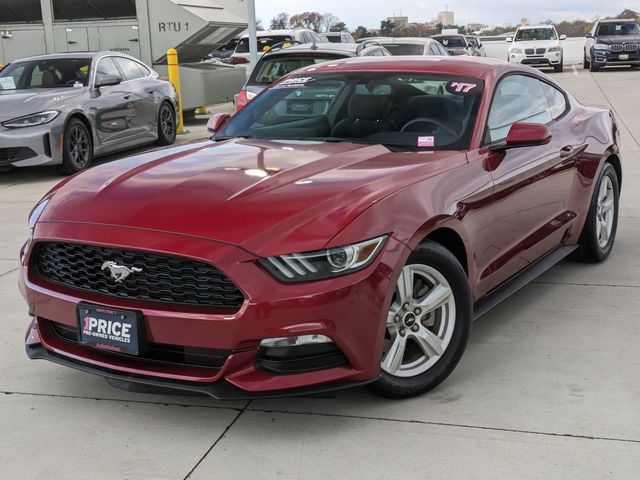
(65, 109)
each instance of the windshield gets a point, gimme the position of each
(528, 34)
(52, 73)
(452, 42)
(272, 68)
(243, 44)
(333, 37)
(403, 111)
(618, 28)
(404, 49)
(473, 41)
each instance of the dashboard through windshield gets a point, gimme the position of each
(404, 111)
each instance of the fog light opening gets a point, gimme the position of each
(295, 341)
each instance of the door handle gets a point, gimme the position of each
(127, 97)
(134, 40)
(71, 42)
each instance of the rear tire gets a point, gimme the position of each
(427, 323)
(77, 148)
(599, 232)
(166, 124)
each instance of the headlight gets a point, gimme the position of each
(31, 120)
(34, 216)
(332, 262)
(554, 49)
(515, 50)
(601, 46)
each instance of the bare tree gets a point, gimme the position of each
(328, 21)
(280, 21)
(310, 20)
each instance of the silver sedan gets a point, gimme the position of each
(66, 109)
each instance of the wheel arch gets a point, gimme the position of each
(614, 160)
(452, 241)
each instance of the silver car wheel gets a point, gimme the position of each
(79, 146)
(605, 212)
(420, 322)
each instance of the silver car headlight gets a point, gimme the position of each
(321, 264)
(601, 46)
(31, 120)
(554, 49)
(34, 216)
(515, 50)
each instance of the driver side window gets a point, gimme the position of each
(518, 98)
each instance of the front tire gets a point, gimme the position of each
(427, 324)
(560, 67)
(77, 149)
(585, 63)
(599, 233)
(166, 125)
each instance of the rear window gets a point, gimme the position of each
(243, 44)
(404, 49)
(452, 42)
(270, 69)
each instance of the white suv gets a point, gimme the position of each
(537, 45)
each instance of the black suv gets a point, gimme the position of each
(612, 42)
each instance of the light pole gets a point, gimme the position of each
(253, 39)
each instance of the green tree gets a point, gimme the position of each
(386, 28)
(361, 32)
(338, 27)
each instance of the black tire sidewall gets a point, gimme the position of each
(591, 250)
(67, 164)
(162, 138)
(438, 257)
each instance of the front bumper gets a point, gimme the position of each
(603, 58)
(31, 146)
(351, 310)
(547, 59)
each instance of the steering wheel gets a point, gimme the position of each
(432, 121)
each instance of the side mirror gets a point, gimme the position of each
(107, 80)
(589, 35)
(563, 37)
(509, 39)
(522, 134)
(216, 121)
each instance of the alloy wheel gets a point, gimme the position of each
(79, 146)
(605, 212)
(167, 122)
(420, 322)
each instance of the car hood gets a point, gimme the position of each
(263, 196)
(537, 43)
(612, 39)
(16, 103)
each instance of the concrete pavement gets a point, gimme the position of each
(549, 386)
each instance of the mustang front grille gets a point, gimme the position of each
(135, 275)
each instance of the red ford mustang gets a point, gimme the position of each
(343, 229)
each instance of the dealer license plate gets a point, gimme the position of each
(623, 57)
(109, 329)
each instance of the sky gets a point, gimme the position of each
(491, 12)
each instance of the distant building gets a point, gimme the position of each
(524, 21)
(446, 18)
(399, 21)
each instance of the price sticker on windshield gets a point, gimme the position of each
(461, 88)
(426, 141)
(295, 82)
